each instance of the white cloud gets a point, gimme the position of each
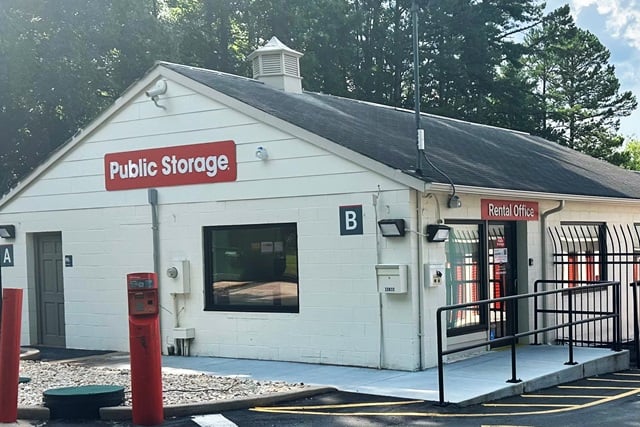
(622, 17)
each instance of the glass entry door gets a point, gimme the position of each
(464, 276)
(481, 260)
(502, 280)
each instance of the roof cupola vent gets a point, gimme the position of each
(277, 65)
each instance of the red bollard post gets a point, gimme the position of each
(10, 354)
(145, 349)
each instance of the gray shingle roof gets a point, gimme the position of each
(471, 154)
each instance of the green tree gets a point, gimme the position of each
(465, 45)
(632, 154)
(207, 33)
(514, 103)
(578, 87)
(324, 30)
(60, 64)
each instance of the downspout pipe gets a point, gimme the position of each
(416, 283)
(152, 195)
(543, 242)
(375, 199)
(543, 234)
(421, 281)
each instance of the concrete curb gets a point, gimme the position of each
(28, 353)
(33, 413)
(120, 413)
(617, 361)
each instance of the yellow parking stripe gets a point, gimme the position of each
(313, 410)
(613, 381)
(556, 396)
(526, 405)
(579, 387)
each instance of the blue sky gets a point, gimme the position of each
(617, 24)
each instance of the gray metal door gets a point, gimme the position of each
(50, 289)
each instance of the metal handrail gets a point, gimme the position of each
(513, 337)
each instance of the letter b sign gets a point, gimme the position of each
(350, 220)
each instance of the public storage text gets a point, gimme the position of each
(170, 165)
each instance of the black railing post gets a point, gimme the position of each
(570, 297)
(617, 322)
(535, 312)
(636, 332)
(512, 331)
(440, 359)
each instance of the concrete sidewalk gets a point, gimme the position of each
(469, 381)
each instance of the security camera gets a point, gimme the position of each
(261, 153)
(158, 89)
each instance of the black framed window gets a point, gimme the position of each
(251, 268)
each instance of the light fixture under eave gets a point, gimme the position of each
(454, 202)
(7, 231)
(437, 232)
(391, 227)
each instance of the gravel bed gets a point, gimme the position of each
(178, 388)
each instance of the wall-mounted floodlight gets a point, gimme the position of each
(7, 231)
(391, 227)
(437, 233)
(261, 153)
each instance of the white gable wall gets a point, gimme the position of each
(109, 235)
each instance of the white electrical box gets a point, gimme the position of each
(184, 333)
(392, 278)
(179, 274)
(434, 275)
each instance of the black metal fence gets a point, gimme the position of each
(587, 252)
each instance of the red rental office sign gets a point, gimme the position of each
(167, 166)
(509, 210)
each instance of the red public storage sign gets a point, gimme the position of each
(167, 166)
(509, 210)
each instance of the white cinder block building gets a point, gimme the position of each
(266, 201)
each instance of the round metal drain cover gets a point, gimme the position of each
(82, 402)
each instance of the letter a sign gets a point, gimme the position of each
(6, 255)
(350, 220)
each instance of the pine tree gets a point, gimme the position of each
(578, 88)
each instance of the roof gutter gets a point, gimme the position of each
(507, 193)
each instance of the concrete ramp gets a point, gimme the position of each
(473, 380)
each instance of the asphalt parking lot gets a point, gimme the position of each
(611, 399)
(584, 402)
